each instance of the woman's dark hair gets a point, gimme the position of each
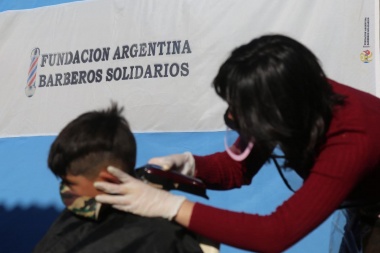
(93, 138)
(279, 95)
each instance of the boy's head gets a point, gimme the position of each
(88, 145)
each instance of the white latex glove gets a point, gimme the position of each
(137, 197)
(183, 163)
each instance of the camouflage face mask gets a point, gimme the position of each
(80, 205)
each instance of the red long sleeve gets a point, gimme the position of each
(347, 168)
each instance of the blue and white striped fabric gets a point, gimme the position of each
(157, 59)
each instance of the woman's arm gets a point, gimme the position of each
(343, 163)
(220, 172)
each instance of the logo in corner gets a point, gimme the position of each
(366, 56)
(31, 82)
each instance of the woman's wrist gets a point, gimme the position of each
(184, 213)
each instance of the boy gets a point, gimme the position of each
(79, 156)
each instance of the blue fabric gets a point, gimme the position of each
(29, 194)
(6, 5)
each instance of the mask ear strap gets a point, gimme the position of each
(241, 156)
(229, 120)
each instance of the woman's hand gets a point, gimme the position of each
(183, 163)
(132, 195)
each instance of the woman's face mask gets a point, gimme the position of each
(236, 148)
(229, 120)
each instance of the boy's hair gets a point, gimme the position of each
(93, 141)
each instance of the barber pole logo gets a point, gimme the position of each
(31, 82)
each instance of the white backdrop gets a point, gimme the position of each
(91, 52)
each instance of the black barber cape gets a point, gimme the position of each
(116, 231)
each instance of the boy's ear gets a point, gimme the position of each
(108, 177)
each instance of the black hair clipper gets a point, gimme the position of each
(171, 180)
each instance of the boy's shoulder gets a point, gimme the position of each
(116, 232)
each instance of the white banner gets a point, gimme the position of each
(158, 58)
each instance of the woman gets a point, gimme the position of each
(277, 96)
